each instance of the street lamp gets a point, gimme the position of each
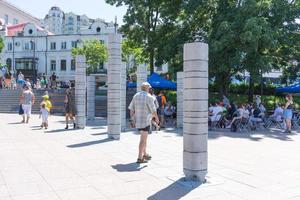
(32, 43)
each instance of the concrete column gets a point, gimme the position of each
(179, 109)
(195, 111)
(141, 76)
(91, 96)
(123, 97)
(114, 86)
(80, 91)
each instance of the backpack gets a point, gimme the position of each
(159, 100)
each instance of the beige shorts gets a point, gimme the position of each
(27, 109)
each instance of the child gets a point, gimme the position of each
(47, 103)
(44, 114)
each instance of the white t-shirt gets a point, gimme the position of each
(215, 111)
(20, 77)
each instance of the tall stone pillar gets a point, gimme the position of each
(114, 86)
(141, 76)
(91, 96)
(123, 97)
(179, 115)
(195, 111)
(80, 91)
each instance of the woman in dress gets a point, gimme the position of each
(288, 113)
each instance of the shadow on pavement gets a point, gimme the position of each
(85, 144)
(253, 136)
(15, 123)
(130, 167)
(175, 191)
(95, 134)
(60, 130)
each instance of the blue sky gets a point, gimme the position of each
(92, 8)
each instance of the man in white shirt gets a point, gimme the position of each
(216, 111)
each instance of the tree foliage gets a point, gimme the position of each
(1, 44)
(95, 53)
(132, 53)
(254, 36)
(142, 20)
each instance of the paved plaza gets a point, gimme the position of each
(56, 164)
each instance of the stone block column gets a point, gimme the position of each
(80, 91)
(114, 86)
(141, 76)
(91, 96)
(195, 111)
(123, 97)
(179, 109)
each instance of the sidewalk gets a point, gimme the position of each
(56, 164)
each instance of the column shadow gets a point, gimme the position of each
(175, 191)
(130, 167)
(85, 144)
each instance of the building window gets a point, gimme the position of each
(32, 45)
(64, 45)
(26, 46)
(98, 29)
(8, 63)
(53, 65)
(63, 65)
(9, 46)
(53, 45)
(6, 19)
(16, 21)
(73, 65)
(74, 44)
(30, 31)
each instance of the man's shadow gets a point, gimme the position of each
(175, 191)
(130, 167)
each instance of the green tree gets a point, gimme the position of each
(1, 44)
(142, 20)
(95, 53)
(132, 55)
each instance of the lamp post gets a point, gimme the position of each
(32, 43)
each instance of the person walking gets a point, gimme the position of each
(153, 122)
(288, 113)
(44, 113)
(70, 106)
(142, 110)
(27, 100)
(21, 80)
(161, 99)
(53, 80)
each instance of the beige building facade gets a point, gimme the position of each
(11, 14)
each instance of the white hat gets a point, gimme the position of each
(145, 84)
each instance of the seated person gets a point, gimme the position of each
(278, 113)
(262, 110)
(217, 110)
(240, 114)
(256, 115)
(169, 110)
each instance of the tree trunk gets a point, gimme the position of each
(251, 89)
(151, 60)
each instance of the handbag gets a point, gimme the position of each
(21, 111)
